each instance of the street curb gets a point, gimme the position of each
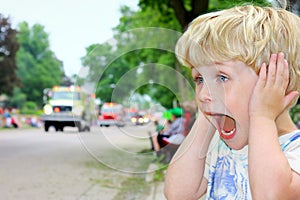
(157, 191)
(157, 188)
(150, 172)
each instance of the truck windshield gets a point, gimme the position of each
(66, 95)
(111, 110)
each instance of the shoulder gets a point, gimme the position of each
(290, 141)
(216, 149)
(290, 144)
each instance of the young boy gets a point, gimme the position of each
(243, 144)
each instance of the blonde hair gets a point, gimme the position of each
(245, 33)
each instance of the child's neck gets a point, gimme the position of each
(285, 124)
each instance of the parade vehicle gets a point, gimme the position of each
(137, 119)
(111, 114)
(67, 106)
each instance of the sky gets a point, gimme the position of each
(72, 25)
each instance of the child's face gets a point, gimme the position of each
(223, 93)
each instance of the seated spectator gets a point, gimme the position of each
(14, 122)
(7, 118)
(189, 110)
(175, 134)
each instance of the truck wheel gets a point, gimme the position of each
(59, 128)
(46, 127)
(79, 127)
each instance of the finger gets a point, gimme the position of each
(262, 78)
(290, 97)
(286, 74)
(280, 70)
(271, 75)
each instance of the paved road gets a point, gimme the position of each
(69, 165)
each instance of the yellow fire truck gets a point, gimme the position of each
(67, 106)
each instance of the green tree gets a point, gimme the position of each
(186, 10)
(8, 49)
(106, 67)
(38, 66)
(132, 49)
(176, 15)
(110, 63)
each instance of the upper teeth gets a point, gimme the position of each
(228, 133)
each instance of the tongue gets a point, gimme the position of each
(229, 124)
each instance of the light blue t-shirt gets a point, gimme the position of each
(227, 170)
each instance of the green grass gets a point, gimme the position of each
(159, 175)
(130, 185)
(133, 188)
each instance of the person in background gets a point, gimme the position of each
(158, 129)
(189, 110)
(158, 126)
(175, 133)
(7, 118)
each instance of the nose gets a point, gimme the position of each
(204, 94)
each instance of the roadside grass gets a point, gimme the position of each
(130, 186)
(133, 188)
(159, 174)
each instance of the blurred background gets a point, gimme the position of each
(98, 73)
(46, 44)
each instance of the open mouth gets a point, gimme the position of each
(225, 125)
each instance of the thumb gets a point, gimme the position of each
(290, 97)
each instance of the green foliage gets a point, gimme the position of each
(38, 66)
(295, 113)
(8, 49)
(108, 66)
(158, 92)
(184, 11)
(78, 81)
(29, 107)
(159, 174)
(134, 187)
(18, 98)
(224, 4)
(148, 17)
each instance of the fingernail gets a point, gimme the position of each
(273, 55)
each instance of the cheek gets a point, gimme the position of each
(240, 94)
(197, 93)
(239, 103)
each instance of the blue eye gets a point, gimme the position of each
(222, 78)
(198, 80)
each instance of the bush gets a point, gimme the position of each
(295, 113)
(29, 107)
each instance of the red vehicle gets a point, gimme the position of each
(111, 114)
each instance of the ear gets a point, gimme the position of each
(288, 99)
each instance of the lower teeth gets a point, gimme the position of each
(228, 133)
